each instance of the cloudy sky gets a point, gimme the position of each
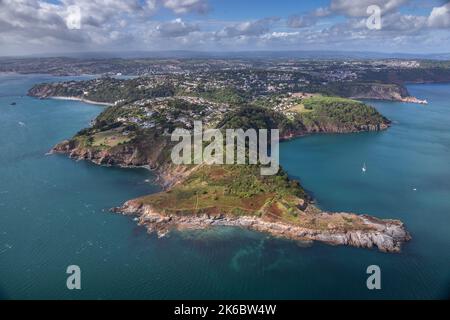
(58, 26)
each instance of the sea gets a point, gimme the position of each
(54, 213)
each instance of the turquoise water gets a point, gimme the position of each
(54, 213)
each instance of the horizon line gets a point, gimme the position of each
(118, 53)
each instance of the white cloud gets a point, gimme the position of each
(38, 25)
(322, 12)
(176, 28)
(358, 8)
(280, 35)
(41, 25)
(440, 17)
(34, 19)
(248, 28)
(304, 21)
(185, 6)
(99, 12)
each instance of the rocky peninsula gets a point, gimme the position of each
(136, 133)
(386, 235)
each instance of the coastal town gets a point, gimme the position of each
(237, 80)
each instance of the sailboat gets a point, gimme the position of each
(364, 168)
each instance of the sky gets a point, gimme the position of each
(63, 26)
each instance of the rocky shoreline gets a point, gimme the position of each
(333, 228)
(315, 129)
(125, 157)
(386, 235)
(413, 100)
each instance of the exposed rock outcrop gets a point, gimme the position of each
(386, 235)
(332, 128)
(377, 91)
(127, 156)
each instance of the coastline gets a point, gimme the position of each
(413, 100)
(104, 104)
(248, 263)
(408, 99)
(362, 231)
(386, 235)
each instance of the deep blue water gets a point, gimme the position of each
(54, 213)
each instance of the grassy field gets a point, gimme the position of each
(224, 189)
(299, 108)
(241, 191)
(318, 100)
(110, 138)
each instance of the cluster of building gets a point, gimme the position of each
(160, 113)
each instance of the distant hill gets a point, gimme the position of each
(248, 55)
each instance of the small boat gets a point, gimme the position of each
(13, 103)
(21, 124)
(364, 168)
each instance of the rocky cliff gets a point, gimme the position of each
(386, 235)
(324, 127)
(378, 91)
(149, 154)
